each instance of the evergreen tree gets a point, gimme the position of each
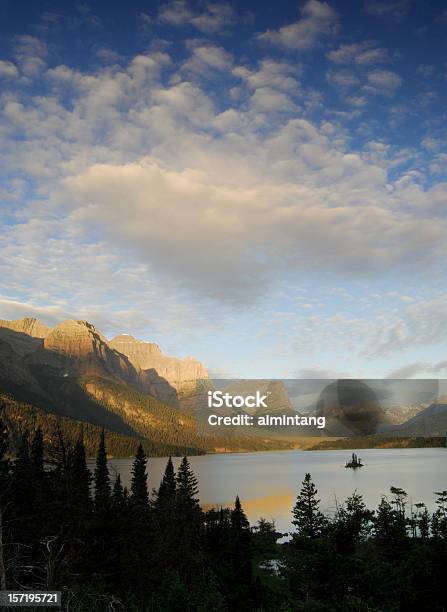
(423, 520)
(187, 486)
(390, 524)
(81, 477)
(241, 586)
(118, 498)
(167, 489)
(188, 530)
(353, 522)
(138, 490)
(102, 478)
(307, 518)
(439, 518)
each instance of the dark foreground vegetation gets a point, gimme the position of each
(109, 549)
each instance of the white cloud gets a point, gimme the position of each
(419, 367)
(423, 323)
(362, 54)
(206, 60)
(383, 82)
(318, 20)
(388, 8)
(271, 73)
(30, 53)
(8, 69)
(219, 200)
(214, 19)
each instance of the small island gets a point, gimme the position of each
(354, 463)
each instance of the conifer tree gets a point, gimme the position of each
(307, 518)
(164, 507)
(187, 486)
(240, 593)
(138, 490)
(118, 494)
(353, 522)
(188, 523)
(390, 524)
(81, 477)
(168, 485)
(102, 478)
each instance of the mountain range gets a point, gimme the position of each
(124, 385)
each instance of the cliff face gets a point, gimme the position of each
(78, 349)
(29, 326)
(180, 373)
(87, 351)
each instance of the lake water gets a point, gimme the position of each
(267, 483)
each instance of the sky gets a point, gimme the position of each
(259, 185)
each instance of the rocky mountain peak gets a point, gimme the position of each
(180, 373)
(75, 338)
(124, 339)
(28, 325)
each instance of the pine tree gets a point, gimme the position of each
(118, 499)
(188, 524)
(241, 585)
(307, 518)
(390, 524)
(168, 485)
(81, 478)
(164, 507)
(102, 478)
(187, 486)
(139, 496)
(353, 522)
(423, 520)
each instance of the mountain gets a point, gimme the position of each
(182, 374)
(71, 369)
(72, 372)
(29, 326)
(432, 421)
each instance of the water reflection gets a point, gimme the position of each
(267, 483)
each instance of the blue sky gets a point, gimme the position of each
(261, 185)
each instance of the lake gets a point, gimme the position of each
(267, 482)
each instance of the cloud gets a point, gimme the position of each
(318, 20)
(423, 323)
(363, 54)
(426, 70)
(280, 75)
(343, 78)
(108, 56)
(420, 367)
(222, 196)
(30, 53)
(383, 82)
(8, 70)
(206, 60)
(320, 373)
(396, 9)
(14, 309)
(214, 19)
